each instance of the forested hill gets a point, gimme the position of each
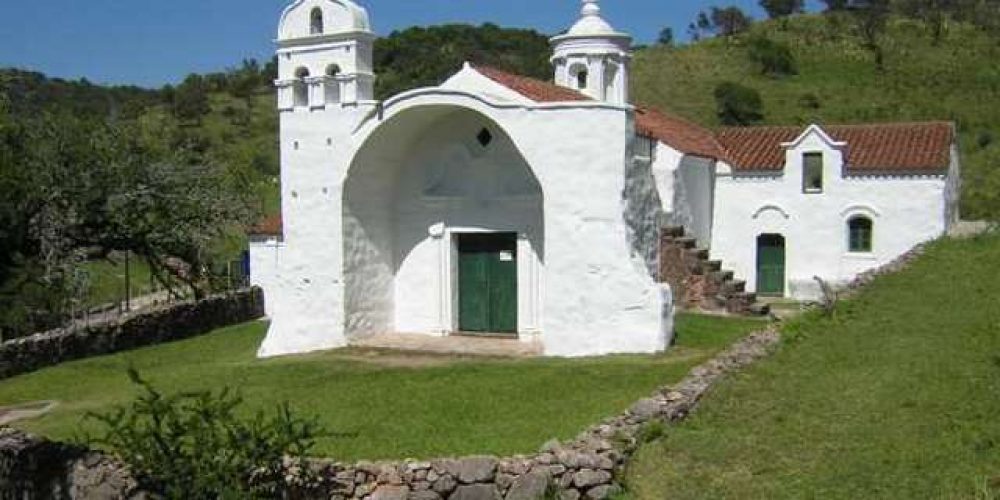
(804, 68)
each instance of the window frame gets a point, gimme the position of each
(806, 188)
(860, 240)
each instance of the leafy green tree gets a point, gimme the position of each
(666, 37)
(871, 18)
(835, 5)
(190, 102)
(774, 58)
(738, 105)
(730, 21)
(782, 8)
(418, 56)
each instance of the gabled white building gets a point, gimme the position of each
(498, 204)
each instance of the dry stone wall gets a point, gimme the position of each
(164, 324)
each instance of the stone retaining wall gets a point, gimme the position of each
(582, 468)
(164, 324)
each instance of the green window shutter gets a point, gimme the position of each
(812, 173)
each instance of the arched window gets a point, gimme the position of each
(578, 73)
(859, 234)
(301, 87)
(316, 22)
(332, 85)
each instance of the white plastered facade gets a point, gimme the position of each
(905, 210)
(375, 195)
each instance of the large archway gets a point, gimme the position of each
(423, 180)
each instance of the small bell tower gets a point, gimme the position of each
(593, 58)
(324, 55)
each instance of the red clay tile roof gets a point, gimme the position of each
(680, 134)
(882, 147)
(677, 133)
(269, 226)
(533, 89)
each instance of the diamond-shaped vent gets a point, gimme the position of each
(485, 137)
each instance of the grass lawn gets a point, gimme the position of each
(898, 396)
(107, 281)
(382, 404)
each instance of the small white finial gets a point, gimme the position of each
(590, 8)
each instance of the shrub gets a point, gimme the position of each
(195, 445)
(738, 104)
(774, 58)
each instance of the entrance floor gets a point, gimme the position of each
(454, 344)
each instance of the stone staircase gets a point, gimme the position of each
(700, 283)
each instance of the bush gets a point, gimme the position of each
(738, 104)
(195, 445)
(774, 58)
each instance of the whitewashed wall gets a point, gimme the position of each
(905, 211)
(687, 190)
(340, 277)
(265, 260)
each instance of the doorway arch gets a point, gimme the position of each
(421, 180)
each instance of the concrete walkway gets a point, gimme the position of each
(455, 344)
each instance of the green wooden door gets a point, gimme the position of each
(487, 283)
(771, 265)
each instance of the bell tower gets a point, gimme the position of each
(324, 55)
(593, 58)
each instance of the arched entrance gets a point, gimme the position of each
(771, 265)
(443, 228)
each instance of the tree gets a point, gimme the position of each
(738, 105)
(871, 18)
(934, 13)
(79, 189)
(191, 100)
(835, 5)
(730, 21)
(782, 8)
(666, 37)
(775, 58)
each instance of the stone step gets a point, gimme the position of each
(698, 253)
(733, 287)
(686, 242)
(711, 266)
(672, 231)
(722, 276)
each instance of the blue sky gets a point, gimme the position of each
(150, 43)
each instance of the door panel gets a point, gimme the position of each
(771, 265)
(472, 285)
(488, 283)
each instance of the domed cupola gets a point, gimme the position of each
(324, 55)
(593, 58)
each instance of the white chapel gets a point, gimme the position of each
(559, 213)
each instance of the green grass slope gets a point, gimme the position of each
(380, 404)
(894, 397)
(958, 79)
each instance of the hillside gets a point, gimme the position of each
(837, 82)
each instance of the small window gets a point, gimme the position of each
(859, 231)
(812, 173)
(484, 137)
(581, 80)
(316, 22)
